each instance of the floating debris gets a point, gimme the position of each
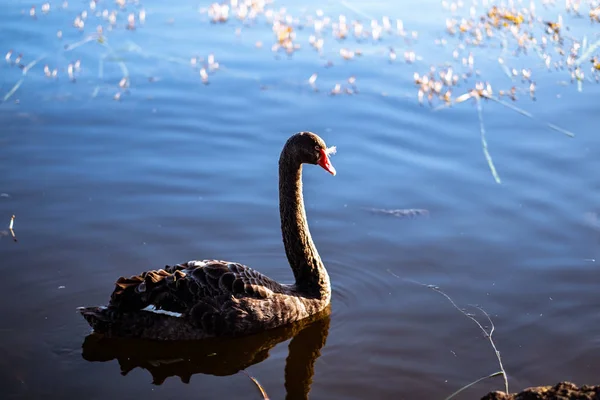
(258, 385)
(312, 80)
(212, 64)
(392, 54)
(510, 29)
(70, 72)
(131, 21)
(401, 213)
(78, 23)
(204, 75)
(219, 12)
(346, 54)
(337, 89)
(10, 228)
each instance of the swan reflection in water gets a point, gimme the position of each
(219, 356)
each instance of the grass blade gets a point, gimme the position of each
(32, 64)
(80, 43)
(13, 90)
(474, 383)
(355, 10)
(263, 392)
(588, 52)
(484, 144)
(529, 115)
(487, 334)
(121, 64)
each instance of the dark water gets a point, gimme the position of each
(177, 170)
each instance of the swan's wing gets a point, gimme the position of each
(179, 288)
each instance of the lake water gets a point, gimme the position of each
(175, 170)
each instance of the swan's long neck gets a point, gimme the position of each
(309, 271)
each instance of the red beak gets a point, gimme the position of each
(326, 163)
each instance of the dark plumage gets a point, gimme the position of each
(213, 298)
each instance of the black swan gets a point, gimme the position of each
(214, 298)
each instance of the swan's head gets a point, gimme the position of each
(309, 148)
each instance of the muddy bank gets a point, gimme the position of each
(560, 391)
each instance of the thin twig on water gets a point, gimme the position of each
(263, 392)
(13, 90)
(529, 115)
(488, 335)
(20, 81)
(10, 228)
(121, 64)
(484, 144)
(75, 45)
(587, 52)
(356, 10)
(473, 383)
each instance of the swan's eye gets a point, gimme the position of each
(318, 148)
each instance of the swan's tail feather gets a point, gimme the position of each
(99, 318)
(111, 321)
(145, 324)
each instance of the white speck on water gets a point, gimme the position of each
(61, 287)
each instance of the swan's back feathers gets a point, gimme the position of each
(215, 297)
(179, 287)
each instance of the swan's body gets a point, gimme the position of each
(212, 298)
